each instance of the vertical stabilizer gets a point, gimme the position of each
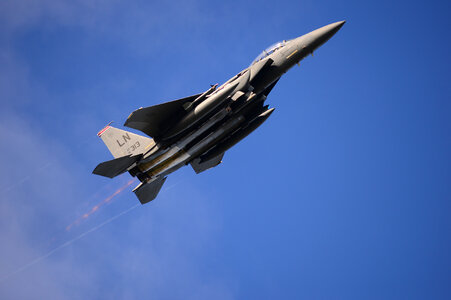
(124, 143)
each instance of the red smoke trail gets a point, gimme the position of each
(100, 204)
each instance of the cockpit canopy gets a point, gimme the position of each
(269, 50)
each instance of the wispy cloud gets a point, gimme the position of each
(37, 260)
(36, 201)
(162, 240)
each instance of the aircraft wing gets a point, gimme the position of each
(156, 120)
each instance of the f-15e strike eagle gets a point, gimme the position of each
(198, 129)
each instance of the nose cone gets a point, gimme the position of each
(312, 40)
(323, 34)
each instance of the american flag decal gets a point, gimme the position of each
(103, 130)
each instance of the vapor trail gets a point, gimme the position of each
(21, 181)
(100, 204)
(67, 243)
(78, 237)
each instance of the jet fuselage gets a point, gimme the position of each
(197, 130)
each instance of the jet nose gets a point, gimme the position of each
(326, 32)
(316, 38)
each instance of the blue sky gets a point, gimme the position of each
(344, 193)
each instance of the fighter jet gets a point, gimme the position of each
(199, 129)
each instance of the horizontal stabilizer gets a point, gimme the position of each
(146, 192)
(117, 166)
(200, 166)
(156, 120)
